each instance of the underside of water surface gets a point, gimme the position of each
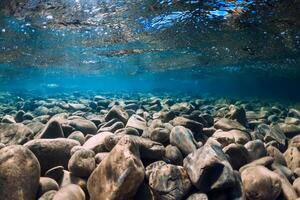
(245, 48)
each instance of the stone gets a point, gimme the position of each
(97, 142)
(78, 136)
(277, 155)
(296, 186)
(256, 149)
(228, 124)
(295, 142)
(183, 138)
(137, 122)
(127, 131)
(100, 156)
(19, 116)
(169, 181)
(117, 112)
(144, 192)
(292, 157)
(16, 133)
(272, 133)
(238, 114)
(288, 191)
(68, 178)
(52, 152)
(183, 107)
(113, 128)
(161, 135)
(47, 184)
(290, 130)
(173, 155)
(194, 126)
(266, 161)
(8, 119)
(70, 192)
(232, 136)
(28, 116)
(83, 125)
(52, 129)
(148, 149)
(119, 175)
(82, 163)
(48, 195)
(209, 169)
(260, 183)
(238, 155)
(198, 196)
(19, 173)
(77, 106)
(56, 173)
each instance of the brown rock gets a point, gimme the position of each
(70, 192)
(52, 152)
(168, 181)
(19, 173)
(119, 175)
(260, 183)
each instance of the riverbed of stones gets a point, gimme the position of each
(145, 147)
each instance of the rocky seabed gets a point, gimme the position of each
(145, 147)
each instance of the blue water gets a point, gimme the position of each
(230, 49)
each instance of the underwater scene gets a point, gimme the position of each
(149, 100)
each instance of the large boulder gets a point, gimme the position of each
(119, 174)
(16, 133)
(19, 173)
(209, 169)
(52, 152)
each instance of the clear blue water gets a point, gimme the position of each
(225, 48)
